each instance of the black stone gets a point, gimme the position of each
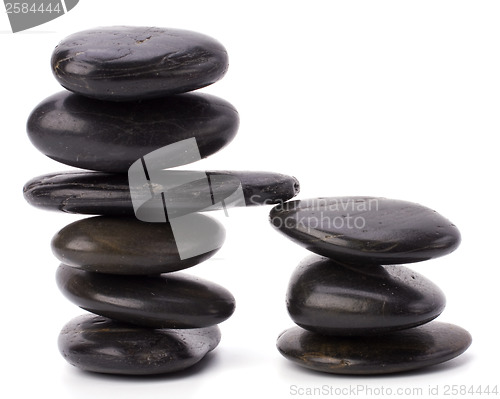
(96, 193)
(334, 298)
(366, 229)
(95, 343)
(405, 350)
(109, 137)
(129, 246)
(173, 300)
(124, 63)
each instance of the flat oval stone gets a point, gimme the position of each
(334, 298)
(174, 300)
(109, 137)
(366, 229)
(405, 350)
(96, 193)
(129, 246)
(95, 343)
(123, 63)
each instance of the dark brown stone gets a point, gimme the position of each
(101, 345)
(411, 349)
(128, 246)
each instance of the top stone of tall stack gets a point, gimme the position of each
(123, 63)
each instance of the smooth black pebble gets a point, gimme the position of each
(335, 298)
(405, 350)
(96, 193)
(98, 344)
(128, 246)
(172, 300)
(366, 229)
(122, 63)
(109, 137)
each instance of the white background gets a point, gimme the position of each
(386, 98)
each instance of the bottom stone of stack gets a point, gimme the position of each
(98, 344)
(398, 351)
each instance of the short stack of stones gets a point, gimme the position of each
(357, 309)
(127, 97)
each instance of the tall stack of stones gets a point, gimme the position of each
(127, 98)
(357, 309)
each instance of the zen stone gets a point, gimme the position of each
(96, 193)
(94, 343)
(173, 300)
(129, 246)
(109, 137)
(405, 350)
(124, 63)
(366, 229)
(334, 298)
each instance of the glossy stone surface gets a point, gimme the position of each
(109, 137)
(173, 300)
(129, 246)
(334, 298)
(122, 63)
(101, 345)
(366, 229)
(95, 193)
(405, 350)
